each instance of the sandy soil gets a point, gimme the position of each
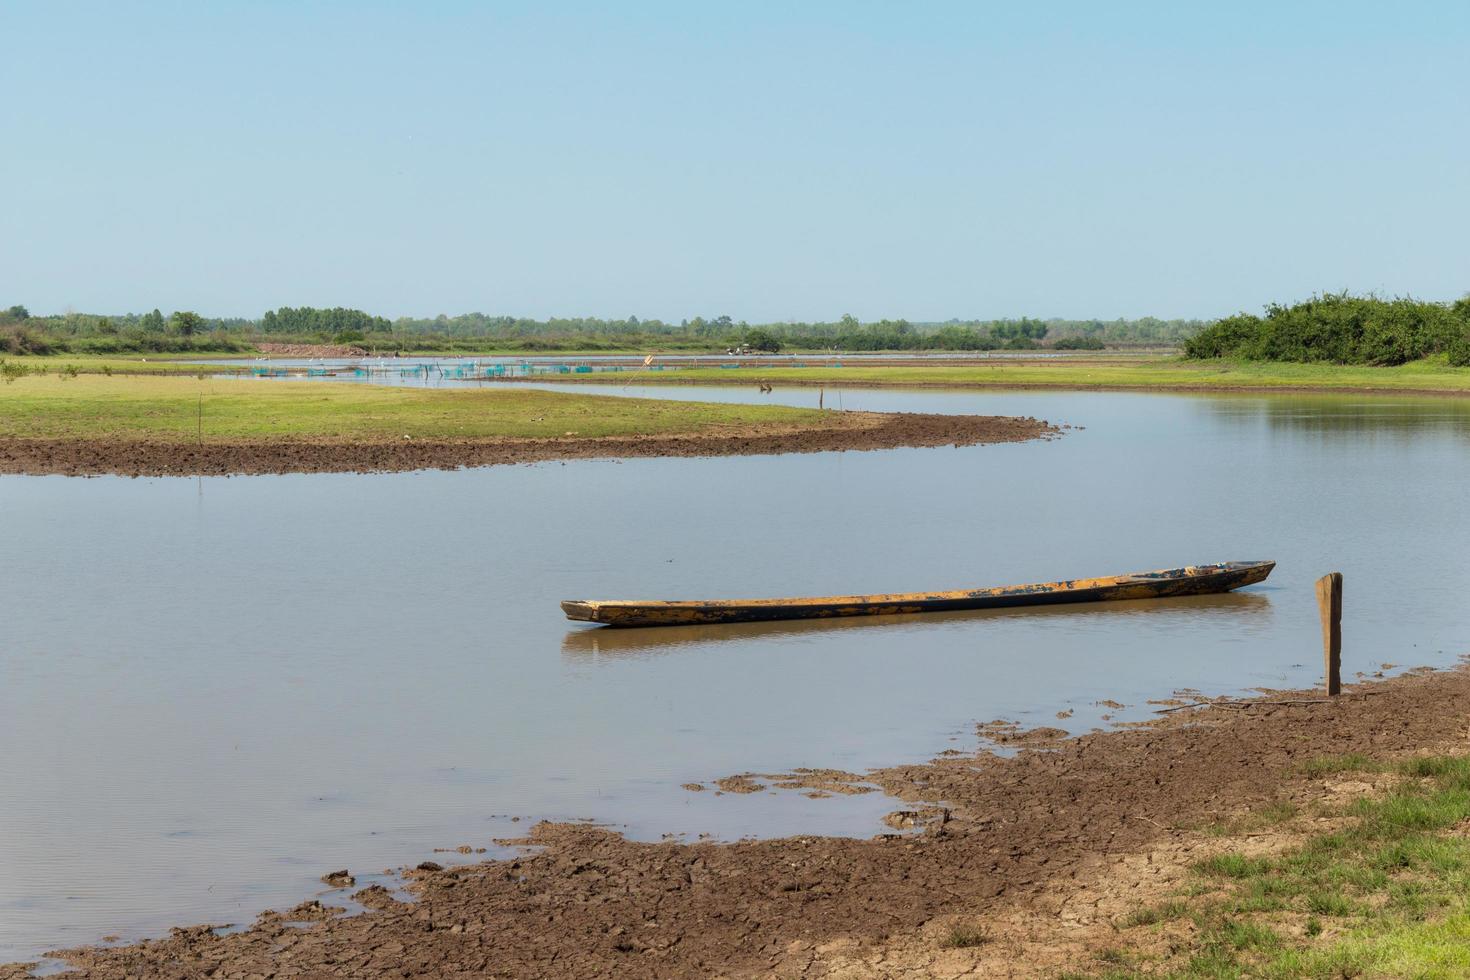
(1041, 848)
(311, 350)
(838, 431)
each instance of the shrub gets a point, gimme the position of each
(761, 339)
(1458, 347)
(1342, 329)
(21, 340)
(1234, 336)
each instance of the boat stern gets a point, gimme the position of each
(1250, 572)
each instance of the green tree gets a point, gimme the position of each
(18, 312)
(152, 322)
(186, 323)
(762, 339)
(329, 322)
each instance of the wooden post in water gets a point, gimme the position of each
(1329, 604)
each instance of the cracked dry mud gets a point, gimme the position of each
(1039, 848)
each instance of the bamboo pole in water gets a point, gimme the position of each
(1329, 604)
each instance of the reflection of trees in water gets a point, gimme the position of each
(594, 641)
(1363, 417)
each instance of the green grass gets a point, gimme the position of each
(1151, 915)
(1234, 866)
(56, 364)
(168, 408)
(966, 937)
(1168, 373)
(1388, 895)
(1087, 371)
(1328, 765)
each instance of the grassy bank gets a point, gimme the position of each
(73, 364)
(1166, 374)
(1384, 891)
(90, 406)
(1114, 372)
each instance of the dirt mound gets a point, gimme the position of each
(311, 350)
(225, 457)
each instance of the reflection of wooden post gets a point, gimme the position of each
(1329, 603)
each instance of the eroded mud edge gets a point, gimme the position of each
(224, 457)
(588, 902)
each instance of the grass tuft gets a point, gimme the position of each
(1329, 765)
(1154, 914)
(966, 937)
(1233, 866)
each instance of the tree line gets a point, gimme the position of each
(1332, 327)
(180, 331)
(21, 332)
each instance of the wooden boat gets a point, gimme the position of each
(1191, 580)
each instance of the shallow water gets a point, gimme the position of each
(212, 691)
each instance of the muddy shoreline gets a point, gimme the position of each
(270, 350)
(986, 836)
(227, 457)
(972, 385)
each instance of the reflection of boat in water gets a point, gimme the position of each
(669, 639)
(1191, 580)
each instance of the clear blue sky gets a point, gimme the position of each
(763, 160)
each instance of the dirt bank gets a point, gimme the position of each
(995, 840)
(311, 350)
(221, 457)
(1206, 388)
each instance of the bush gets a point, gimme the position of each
(762, 340)
(1234, 336)
(1458, 348)
(1079, 343)
(138, 342)
(21, 340)
(1341, 329)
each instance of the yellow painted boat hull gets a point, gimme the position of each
(1191, 580)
